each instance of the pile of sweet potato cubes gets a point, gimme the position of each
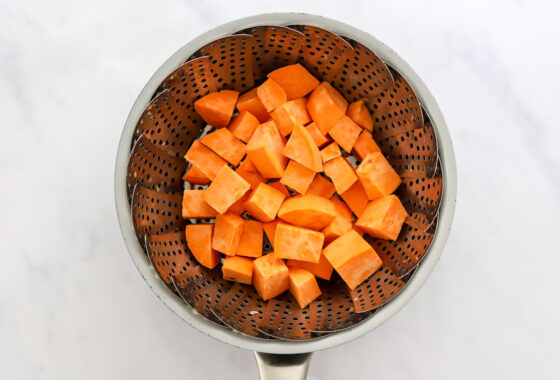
(280, 167)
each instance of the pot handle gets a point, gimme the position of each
(283, 367)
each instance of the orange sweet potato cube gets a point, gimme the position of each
(319, 138)
(270, 276)
(204, 159)
(195, 207)
(341, 224)
(249, 173)
(264, 202)
(227, 233)
(238, 269)
(302, 149)
(345, 132)
(225, 145)
(383, 218)
(365, 144)
(298, 243)
(265, 150)
(243, 126)
(326, 106)
(323, 269)
(280, 187)
(271, 95)
(341, 173)
(297, 177)
(330, 151)
(226, 189)
(250, 102)
(321, 187)
(295, 80)
(195, 176)
(270, 229)
(199, 241)
(303, 286)
(251, 241)
(216, 108)
(309, 210)
(360, 115)
(377, 176)
(289, 114)
(238, 207)
(353, 258)
(356, 198)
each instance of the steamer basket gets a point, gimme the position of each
(408, 127)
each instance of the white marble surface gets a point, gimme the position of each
(72, 305)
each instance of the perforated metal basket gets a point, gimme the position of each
(408, 127)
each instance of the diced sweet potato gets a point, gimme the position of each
(297, 177)
(341, 174)
(238, 269)
(353, 258)
(297, 243)
(358, 230)
(243, 125)
(270, 229)
(199, 241)
(250, 102)
(225, 145)
(309, 210)
(321, 187)
(238, 207)
(227, 233)
(250, 244)
(264, 202)
(356, 198)
(360, 115)
(270, 276)
(302, 149)
(271, 95)
(195, 176)
(323, 269)
(330, 151)
(365, 144)
(377, 176)
(383, 218)
(289, 114)
(295, 80)
(326, 106)
(227, 188)
(216, 108)
(345, 132)
(195, 207)
(339, 225)
(303, 286)
(208, 162)
(249, 173)
(319, 138)
(280, 187)
(265, 150)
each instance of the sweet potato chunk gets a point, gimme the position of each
(216, 108)
(345, 132)
(238, 207)
(297, 177)
(341, 173)
(227, 233)
(270, 229)
(365, 144)
(341, 224)
(326, 106)
(208, 162)
(238, 269)
(270, 276)
(271, 95)
(377, 176)
(319, 138)
(302, 149)
(295, 80)
(249, 173)
(353, 258)
(280, 187)
(195, 207)
(199, 241)
(360, 115)
(243, 126)
(226, 189)
(383, 218)
(264, 202)
(298, 243)
(195, 176)
(309, 210)
(303, 286)
(225, 145)
(323, 269)
(250, 102)
(321, 187)
(330, 151)
(289, 114)
(251, 241)
(356, 198)
(265, 151)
